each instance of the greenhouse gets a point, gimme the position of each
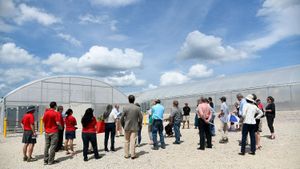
(283, 84)
(73, 92)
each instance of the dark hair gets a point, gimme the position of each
(223, 98)
(271, 98)
(210, 99)
(69, 112)
(60, 107)
(131, 98)
(254, 96)
(107, 112)
(137, 104)
(157, 101)
(87, 117)
(175, 103)
(53, 105)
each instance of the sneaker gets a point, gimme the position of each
(45, 162)
(85, 159)
(200, 148)
(106, 149)
(242, 153)
(54, 162)
(25, 158)
(251, 153)
(176, 142)
(163, 146)
(155, 148)
(97, 157)
(31, 159)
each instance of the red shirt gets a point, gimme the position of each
(91, 127)
(27, 121)
(61, 119)
(260, 106)
(50, 118)
(70, 123)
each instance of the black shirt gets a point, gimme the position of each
(186, 110)
(271, 107)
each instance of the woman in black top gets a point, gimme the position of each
(270, 115)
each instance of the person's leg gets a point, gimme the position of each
(126, 144)
(139, 136)
(59, 142)
(71, 145)
(272, 127)
(161, 135)
(132, 144)
(183, 122)
(47, 147)
(202, 131)
(66, 145)
(212, 127)
(93, 139)
(25, 151)
(85, 141)
(244, 137)
(112, 137)
(177, 135)
(30, 150)
(150, 133)
(208, 134)
(252, 137)
(106, 136)
(53, 144)
(154, 133)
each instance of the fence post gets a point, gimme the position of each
(4, 126)
(41, 125)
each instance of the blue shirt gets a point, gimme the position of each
(242, 103)
(158, 112)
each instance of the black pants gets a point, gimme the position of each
(204, 131)
(270, 121)
(110, 128)
(248, 128)
(86, 138)
(60, 140)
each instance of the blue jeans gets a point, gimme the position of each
(212, 127)
(110, 128)
(157, 126)
(177, 131)
(248, 128)
(140, 136)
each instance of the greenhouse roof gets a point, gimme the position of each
(275, 77)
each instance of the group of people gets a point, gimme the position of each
(249, 110)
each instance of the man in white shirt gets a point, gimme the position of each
(224, 119)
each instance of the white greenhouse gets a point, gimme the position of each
(283, 84)
(73, 92)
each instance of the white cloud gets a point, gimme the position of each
(11, 54)
(99, 57)
(199, 71)
(208, 48)
(150, 86)
(60, 63)
(282, 19)
(118, 37)
(28, 13)
(69, 39)
(16, 75)
(4, 27)
(102, 20)
(124, 80)
(7, 8)
(173, 78)
(114, 3)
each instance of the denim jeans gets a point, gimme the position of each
(212, 127)
(248, 128)
(110, 128)
(177, 132)
(140, 136)
(86, 138)
(157, 127)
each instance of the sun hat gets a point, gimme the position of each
(250, 98)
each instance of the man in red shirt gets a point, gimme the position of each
(59, 146)
(29, 134)
(51, 123)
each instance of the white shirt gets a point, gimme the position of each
(249, 111)
(111, 118)
(225, 110)
(115, 111)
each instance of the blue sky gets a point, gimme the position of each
(138, 45)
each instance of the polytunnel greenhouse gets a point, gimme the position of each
(283, 84)
(73, 92)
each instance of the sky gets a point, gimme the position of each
(138, 45)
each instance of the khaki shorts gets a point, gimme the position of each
(186, 118)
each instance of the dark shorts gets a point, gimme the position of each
(70, 135)
(256, 129)
(28, 137)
